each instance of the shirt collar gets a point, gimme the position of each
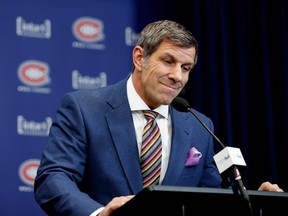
(137, 104)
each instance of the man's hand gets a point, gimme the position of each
(267, 186)
(114, 204)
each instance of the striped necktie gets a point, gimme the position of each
(151, 150)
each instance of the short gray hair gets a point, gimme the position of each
(154, 33)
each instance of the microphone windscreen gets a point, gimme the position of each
(181, 104)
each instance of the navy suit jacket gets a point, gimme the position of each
(91, 155)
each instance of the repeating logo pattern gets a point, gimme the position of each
(44, 55)
(34, 75)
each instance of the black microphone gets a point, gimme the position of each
(182, 105)
(226, 160)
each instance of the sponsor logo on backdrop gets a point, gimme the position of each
(30, 29)
(34, 75)
(33, 128)
(27, 173)
(131, 37)
(89, 32)
(80, 81)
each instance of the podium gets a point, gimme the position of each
(190, 201)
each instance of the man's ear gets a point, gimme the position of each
(138, 57)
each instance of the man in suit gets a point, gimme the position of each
(91, 162)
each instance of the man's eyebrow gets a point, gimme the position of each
(168, 55)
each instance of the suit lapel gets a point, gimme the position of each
(179, 148)
(122, 130)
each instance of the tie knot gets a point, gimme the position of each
(149, 114)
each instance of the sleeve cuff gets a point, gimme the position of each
(95, 213)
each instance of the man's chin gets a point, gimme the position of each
(167, 100)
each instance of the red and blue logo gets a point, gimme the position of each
(28, 170)
(88, 29)
(34, 73)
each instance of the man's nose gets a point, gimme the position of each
(176, 74)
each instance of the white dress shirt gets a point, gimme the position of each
(163, 121)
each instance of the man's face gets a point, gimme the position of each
(164, 74)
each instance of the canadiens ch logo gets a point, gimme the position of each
(28, 170)
(34, 73)
(88, 29)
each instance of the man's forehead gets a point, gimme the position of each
(177, 52)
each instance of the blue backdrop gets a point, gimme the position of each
(48, 48)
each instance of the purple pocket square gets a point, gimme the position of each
(193, 157)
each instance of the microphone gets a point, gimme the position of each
(226, 160)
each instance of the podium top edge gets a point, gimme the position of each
(209, 190)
